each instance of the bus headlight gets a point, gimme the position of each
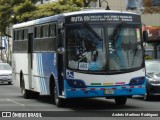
(137, 81)
(76, 83)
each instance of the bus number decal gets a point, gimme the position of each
(83, 66)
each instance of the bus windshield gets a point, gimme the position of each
(125, 48)
(94, 47)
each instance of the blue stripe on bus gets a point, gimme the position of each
(45, 67)
(42, 74)
(49, 67)
(38, 72)
(42, 78)
(39, 67)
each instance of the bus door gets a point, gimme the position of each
(30, 60)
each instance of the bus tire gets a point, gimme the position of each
(54, 95)
(60, 102)
(26, 93)
(120, 100)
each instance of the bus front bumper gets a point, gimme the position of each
(113, 91)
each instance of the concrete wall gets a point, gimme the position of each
(151, 19)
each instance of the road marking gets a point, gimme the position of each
(15, 102)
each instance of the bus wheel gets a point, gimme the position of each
(120, 100)
(26, 93)
(58, 101)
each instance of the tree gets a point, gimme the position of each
(79, 3)
(53, 8)
(5, 13)
(11, 10)
(17, 11)
(22, 12)
(149, 8)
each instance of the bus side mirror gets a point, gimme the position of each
(145, 36)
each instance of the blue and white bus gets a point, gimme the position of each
(93, 53)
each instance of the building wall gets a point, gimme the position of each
(116, 4)
(151, 19)
(147, 19)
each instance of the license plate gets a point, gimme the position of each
(4, 78)
(110, 91)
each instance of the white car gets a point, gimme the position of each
(5, 73)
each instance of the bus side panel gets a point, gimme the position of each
(44, 64)
(20, 63)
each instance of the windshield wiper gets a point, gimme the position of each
(117, 31)
(93, 32)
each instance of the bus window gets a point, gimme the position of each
(20, 35)
(45, 31)
(125, 50)
(25, 34)
(15, 41)
(15, 35)
(38, 32)
(86, 47)
(53, 30)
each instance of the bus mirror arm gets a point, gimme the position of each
(60, 50)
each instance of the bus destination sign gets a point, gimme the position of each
(104, 18)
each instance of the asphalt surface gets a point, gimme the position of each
(11, 100)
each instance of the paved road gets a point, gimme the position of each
(12, 100)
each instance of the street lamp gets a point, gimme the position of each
(100, 2)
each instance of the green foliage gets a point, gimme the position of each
(16, 11)
(147, 57)
(13, 11)
(27, 6)
(149, 8)
(23, 11)
(5, 13)
(79, 3)
(44, 10)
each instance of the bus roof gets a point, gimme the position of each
(96, 11)
(58, 16)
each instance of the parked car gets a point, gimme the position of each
(5, 73)
(153, 78)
